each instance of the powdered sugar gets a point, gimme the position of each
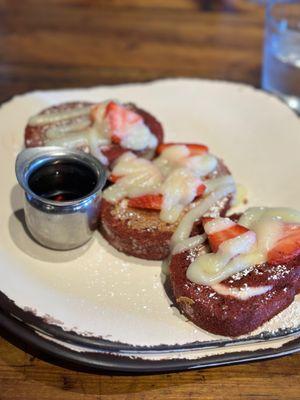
(278, 272)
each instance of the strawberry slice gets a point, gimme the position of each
(151, 201)
(205, 220)
(195, 149)
(147, 202)
(112, 152)
(286, 248)
(111, 107)
(119, 119)
(115, 139)
(200, 190)
(217, 238)
(113, 178)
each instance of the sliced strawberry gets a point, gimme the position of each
(115, 139)
(112, 152)
(286, 248)
(195, 149)
(200, 190)
(113, 178)
(111, 106)
(148, 201)
(217, 238)
(119, 118)
(151, 201)
(205, 220)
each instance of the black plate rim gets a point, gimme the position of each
(39, 324)
(10, 309)
(118, 363)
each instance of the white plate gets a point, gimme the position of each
(99, 292)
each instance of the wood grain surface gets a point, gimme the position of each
(65, 43)
(23, 377)
(72, 43)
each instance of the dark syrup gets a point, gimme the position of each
(62, 180)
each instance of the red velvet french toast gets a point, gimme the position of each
(106, 129)
(144, 205)
(240, 274)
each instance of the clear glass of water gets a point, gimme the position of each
(281, 66)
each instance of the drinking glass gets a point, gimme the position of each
(281, 65)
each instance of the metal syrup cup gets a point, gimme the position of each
(60, 225)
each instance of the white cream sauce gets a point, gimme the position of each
(90, 127)
(59, 115)
(174, 174)
(138, 137)
(216, 183)
(178, 156)
(218, 224)
(178, 190)
(75, 140)
(243, 293)
(189, 243)
(183, 175)
(284, 214)
(138, 177)
(211, 268)
(77, 125)
(185, 226)
(201, 165)
(266, 227)
(241, 196)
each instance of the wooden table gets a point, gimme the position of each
(71, 43)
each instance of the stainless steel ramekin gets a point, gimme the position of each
(62, 225)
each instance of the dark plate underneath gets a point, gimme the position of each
(22, 336)
(28, 318)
